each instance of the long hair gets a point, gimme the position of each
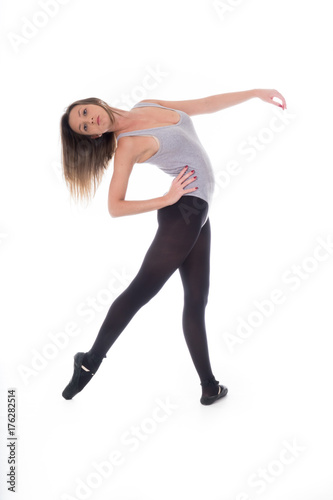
(84, 159)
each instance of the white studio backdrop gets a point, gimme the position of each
(138, 431)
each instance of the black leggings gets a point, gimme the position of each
(182, 241)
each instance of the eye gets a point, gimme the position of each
(85, 128)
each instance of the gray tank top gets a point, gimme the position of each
(180, 146)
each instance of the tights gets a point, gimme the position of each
(182, 242)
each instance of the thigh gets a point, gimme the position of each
(194, 271)
(175, 237)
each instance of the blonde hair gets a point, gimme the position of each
(84, 159)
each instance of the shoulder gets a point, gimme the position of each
(149, 100)
(190, 107)
(126, 151)
(130, 149)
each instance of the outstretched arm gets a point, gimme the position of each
(218, 102)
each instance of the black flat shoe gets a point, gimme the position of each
(76, 385)
(208, 400)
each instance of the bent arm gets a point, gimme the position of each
(123, 165)
(214, 103)
(124, 160)
(126, 207)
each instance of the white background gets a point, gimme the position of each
(55, 255)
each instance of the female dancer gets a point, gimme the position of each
(162, 133)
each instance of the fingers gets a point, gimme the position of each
(190, 190)
(177, 189)
(183, 175)
(186, 182)
(184, 179)
(283, 105)
(277, 95)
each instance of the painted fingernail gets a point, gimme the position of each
(195, 177)
(196, 188)
(192, 171)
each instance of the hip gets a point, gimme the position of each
(191, 208)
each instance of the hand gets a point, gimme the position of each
(178, 184)
(268, 95)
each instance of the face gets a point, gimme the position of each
(89, 119)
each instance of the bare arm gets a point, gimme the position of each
(214, 103)
(124, 160)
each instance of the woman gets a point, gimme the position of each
(162, 133)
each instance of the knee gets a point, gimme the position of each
(197, 301)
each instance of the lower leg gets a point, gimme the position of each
(122, 310)
(195, 277)
(196, 340)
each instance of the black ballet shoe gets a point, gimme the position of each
(80, 378)
(208, 400)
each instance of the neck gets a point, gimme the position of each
(123, 120)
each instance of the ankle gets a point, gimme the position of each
(210, 386)
(91, 362)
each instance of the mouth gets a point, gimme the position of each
(98, 120)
